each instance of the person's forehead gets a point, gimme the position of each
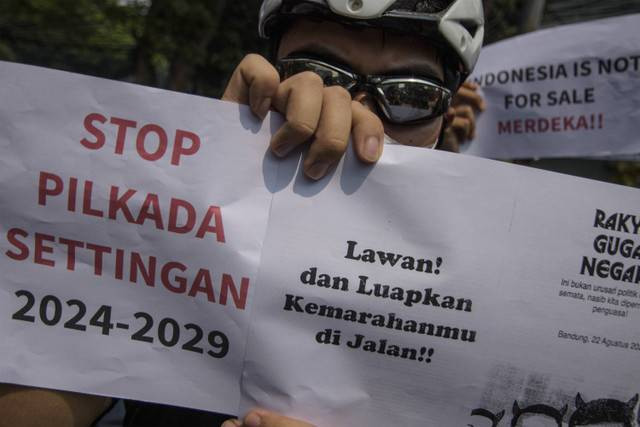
(367, 51)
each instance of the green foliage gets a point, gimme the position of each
(627, 173)
(6, 53)
(86, 36)
(194, 45)
(502, 19)
(188, 45)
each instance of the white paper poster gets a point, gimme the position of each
(152, 249)
(568, 91)
(444, 289)
(130, 240)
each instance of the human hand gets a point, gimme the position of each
(325, 116)
(462, 117)
(262, 418)
(30, 406)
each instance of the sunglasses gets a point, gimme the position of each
(402, 100)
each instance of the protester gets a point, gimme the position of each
(378, 75)
(338, 74)
(359, 68)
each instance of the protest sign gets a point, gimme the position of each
(130, 240)
(443, 287)
(431, 289)
(569, 91)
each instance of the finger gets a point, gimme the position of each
(332, 134)
(466, 112)
(449, 116)
(468, 96)
(254, 82)
(461, 128)
(471, 85)
(368, 133)
(261, 418)
(299, 98)
(232, 423)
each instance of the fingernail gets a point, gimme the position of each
(252, 420)
(371, 148)
(263, 109)
(283, 148)
(318, 170)
(232, 423)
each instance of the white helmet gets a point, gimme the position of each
(455, 26)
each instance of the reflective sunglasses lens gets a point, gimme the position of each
(329, 76)
(410, 101)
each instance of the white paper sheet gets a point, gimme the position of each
(506, 243)
(42, 124)
(511, 308)
(568, 91)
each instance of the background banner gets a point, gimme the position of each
(569, 91)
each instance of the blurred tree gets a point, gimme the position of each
(628, 173)
(236, 36)
(502, 19)
(194, 45)
(93, 37)
(186, 45)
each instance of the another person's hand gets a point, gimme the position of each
(462, 117)
(29, 407)
(262, 418)
(325, 116)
